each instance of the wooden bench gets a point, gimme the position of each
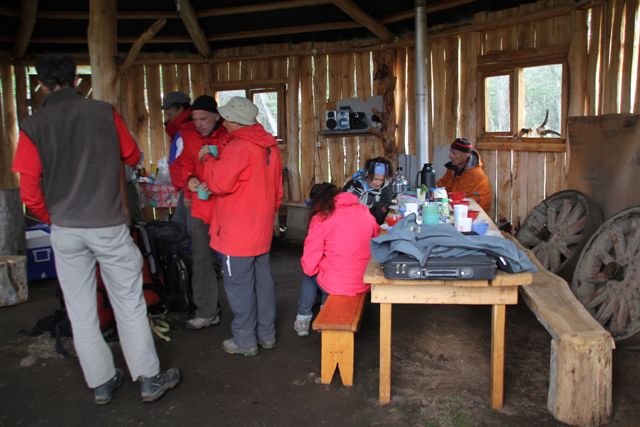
(338, 321)
(580, 386)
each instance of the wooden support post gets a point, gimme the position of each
(102, 38)
(12, 239)
(385, 354)
(13, 280)
(28, 14)
(498, 315)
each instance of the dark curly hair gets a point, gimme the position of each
(370, 166)
(56, 70)
(322, 199)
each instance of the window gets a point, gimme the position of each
(270, 100)
(522, 102)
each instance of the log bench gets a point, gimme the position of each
(338, 320)
(580, 386)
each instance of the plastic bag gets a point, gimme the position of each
(163, 176)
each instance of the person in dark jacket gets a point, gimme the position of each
(372, 186)
(69, 156)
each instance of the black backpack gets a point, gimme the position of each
(170, 245)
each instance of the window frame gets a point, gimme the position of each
(513, 63)
(254, 87)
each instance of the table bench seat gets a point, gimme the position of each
(338, 321)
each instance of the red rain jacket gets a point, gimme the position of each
(187, 165)
(246, 181)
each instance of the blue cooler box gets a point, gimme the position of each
(40, 264)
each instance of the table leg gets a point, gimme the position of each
(385, 354)
(497, 356)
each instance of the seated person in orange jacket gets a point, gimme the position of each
(465, 173)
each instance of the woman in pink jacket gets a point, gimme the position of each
(336, 250)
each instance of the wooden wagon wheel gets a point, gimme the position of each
(607, 279)
(557, 229)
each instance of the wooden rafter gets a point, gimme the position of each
(362, 17)
(252, 8)
(285, 30)
(142, 40)
(190, 20)
(28, 12)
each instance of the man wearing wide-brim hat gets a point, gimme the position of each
(246, 180)
(465, 173)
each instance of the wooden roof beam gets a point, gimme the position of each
(366, 20)
(252, 8)
(137, 45)
(28, 12)
(346, 25)
(190, 20)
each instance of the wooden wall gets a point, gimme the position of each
(601, 74)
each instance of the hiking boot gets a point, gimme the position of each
(231, 347)
(267, 345)
(104, 393)
(202, 322)
(301, 325)
(153, 388)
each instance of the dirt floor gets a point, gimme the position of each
(440, 372)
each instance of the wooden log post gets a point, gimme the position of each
(13, 280)
(384, 83)
(580, 379)
(102, 37)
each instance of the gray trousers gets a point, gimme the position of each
(76, 252)
(252, 297)
(204, 282)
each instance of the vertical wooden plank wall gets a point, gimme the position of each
(8, 135)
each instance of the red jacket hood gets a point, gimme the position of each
(346, 199)
(256, 134)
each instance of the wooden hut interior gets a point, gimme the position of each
(309, 54)
(547, 90)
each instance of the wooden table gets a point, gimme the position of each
(499, 292)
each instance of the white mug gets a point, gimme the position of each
(460, 211)
(463, 224)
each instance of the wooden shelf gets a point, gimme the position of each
(349, 132)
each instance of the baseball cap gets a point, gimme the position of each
(174, 98)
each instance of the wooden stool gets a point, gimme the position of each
(338, 321)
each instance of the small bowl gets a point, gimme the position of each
(456, 195)
(480, 227)
(473, 214)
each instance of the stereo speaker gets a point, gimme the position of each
(331, 121)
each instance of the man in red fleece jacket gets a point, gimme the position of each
(187, 172)
(246, 180)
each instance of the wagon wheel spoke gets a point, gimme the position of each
(565, 209)
(578, 226)
(575, 214)
(605, 311)
(604, 257)
(597, 298)
(634, 241)
(554, 258)
(619, 318)
(618, 241)
(536, 223)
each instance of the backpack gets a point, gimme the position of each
(59, 325)
(170, 245)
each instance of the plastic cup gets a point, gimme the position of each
(213, 149)
(480, 227)
(456, 196)
(411, 208)
(430, 214)
(463, 224)
(473, 214)
(460, 211)
(203, 194)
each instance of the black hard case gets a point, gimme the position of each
(477, 267)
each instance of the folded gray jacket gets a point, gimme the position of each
(443, 240)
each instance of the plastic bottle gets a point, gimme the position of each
(444, 210)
